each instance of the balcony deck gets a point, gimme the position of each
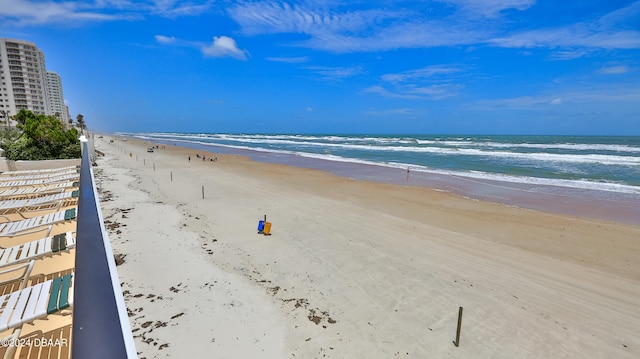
(96, 325)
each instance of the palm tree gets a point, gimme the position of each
(80, 120)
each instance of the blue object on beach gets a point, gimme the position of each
(260, 226)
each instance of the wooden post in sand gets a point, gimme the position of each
(202, 192)
(171, 176)
(457, 342)
(144, 161)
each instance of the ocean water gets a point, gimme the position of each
(506, 169)
(603, 163)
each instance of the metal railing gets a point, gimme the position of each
(101, 326)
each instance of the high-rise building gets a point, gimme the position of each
(56, 98)
(23, 78)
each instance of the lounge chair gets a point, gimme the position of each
(12, 343)
(37, 191)
(46, 170)
(49, 180)
(34, 302)
(16, 273)
(57, 200)
(35, 224)
(36, 249)
(5, 178)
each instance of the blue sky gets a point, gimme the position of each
(324, 66)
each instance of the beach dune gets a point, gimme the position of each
(354, 269)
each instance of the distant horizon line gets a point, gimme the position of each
(367, 134)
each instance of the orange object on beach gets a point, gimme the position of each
(267, 229)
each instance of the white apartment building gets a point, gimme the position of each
(23, 79)
(56, 98)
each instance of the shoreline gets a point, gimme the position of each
(609, 206)
(356, 269)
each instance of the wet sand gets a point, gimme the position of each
(598, 204)
(355, 269)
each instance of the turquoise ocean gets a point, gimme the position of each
(487, 167)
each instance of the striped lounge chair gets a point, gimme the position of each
(36, 224)
(34, 302)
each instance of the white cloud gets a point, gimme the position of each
(614, 70)
(221, 46)
(420, 74)
(372, 29)
(289, 60)
(429, 83)
(615, 30)
(74, 13)
(491, 8)
(614, 94)
(409, 112)
(224, 46)
(165, 39)
(29, 12)
(579, 35)
(377, 89)
(331, 26)
(173, 9)
(309, 109)
(276, 17)
(399, 35)
(174, 41)
(336, 73)
(432, 92)
(327, 29)
(569, 54)
(517, 103)
(626, 16)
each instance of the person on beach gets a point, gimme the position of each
(189, 158)
(408, 172)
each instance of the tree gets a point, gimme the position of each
(42, 138)
(22, 116)
(80, 119)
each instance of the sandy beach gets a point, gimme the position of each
(354, 269)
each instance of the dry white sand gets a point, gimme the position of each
(355, 269)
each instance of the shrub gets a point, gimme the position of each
(42, 138)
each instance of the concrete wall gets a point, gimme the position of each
(6, 165)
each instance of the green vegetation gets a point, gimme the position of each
(39, 137)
